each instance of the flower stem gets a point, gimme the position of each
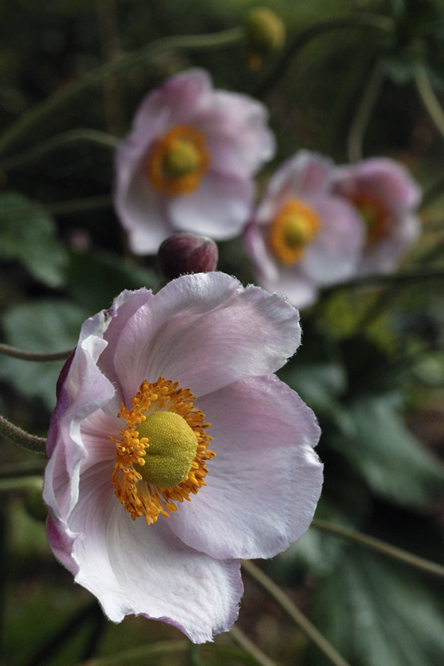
(428, 97)
(21, 437)
(380, 547)
(364, 20)
(293, 611)
(59, 141)
(364, 112)
(7, 350)
(35, 115)
(251, 647)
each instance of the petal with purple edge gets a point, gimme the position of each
(265, 481)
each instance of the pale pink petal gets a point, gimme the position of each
(135, 568)
(219, 208)
(336, 251)
(206, 331)
(265, 481)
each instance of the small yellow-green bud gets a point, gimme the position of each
(265, 32)
(171, 450)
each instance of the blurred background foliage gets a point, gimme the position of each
(355, 78)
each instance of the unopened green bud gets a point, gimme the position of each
(265, 33)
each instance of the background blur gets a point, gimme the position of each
(354, 77)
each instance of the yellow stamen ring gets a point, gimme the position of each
(133, 490)
(177, 161)
(293, 228)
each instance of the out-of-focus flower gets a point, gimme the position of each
(188, 163)
(303, 236)
(186, 253)
(265, 33)
(386, 197)
(174, 450)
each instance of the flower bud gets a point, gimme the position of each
(265, 32)
(186, 253)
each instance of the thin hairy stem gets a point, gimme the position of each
(428, 97)
(250, 647)
(56, 101)
(293, 611)
(59, 141)
(364, 112)
(22, 438)
(380, 547)
(14, 352)
(362, 20)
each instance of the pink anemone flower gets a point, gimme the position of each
(188, 163)
(303, 236)
(386, 197)
(174, 451)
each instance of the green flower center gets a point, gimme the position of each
(182, 158)
(171, 449)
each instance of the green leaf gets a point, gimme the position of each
(377, 612)
(95, 278)
(43, 326)
(392, 461)
(28, 234)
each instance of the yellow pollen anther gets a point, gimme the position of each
(293, 228)
(178, 161)
(162, 452)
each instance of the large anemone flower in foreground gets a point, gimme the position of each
(386, 197)
(302, 235)
(174, 451)
(188, 163)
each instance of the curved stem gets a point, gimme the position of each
(428, 97)
(293, 611)
(380, 547)
(21, 437)
(59, 141)
(7, 350)
(364, 20)
(364, 112)
(250, 647)
(118, 65)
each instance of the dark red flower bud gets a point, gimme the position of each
(186, 253)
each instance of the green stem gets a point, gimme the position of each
(364, 112)
(7, 350)
(293, 611)
(380, 547)
(250, 647)
(428, 97)
(59, 141)
(21, 437)
(363, 20)
(120, 64)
